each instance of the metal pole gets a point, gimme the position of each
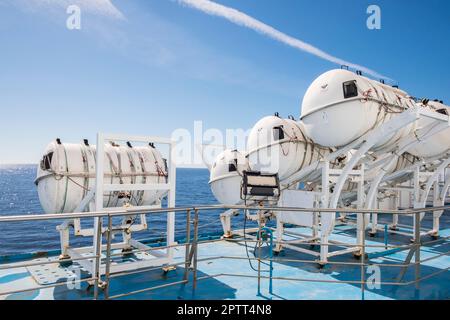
(171, 203)
(259, 257)
(386, 235)
(271, 260)
(363, 255)
(417, 243)
(324, 203)
(99, 179)
(195, 248)
(188, 243)
(108, 258)
(98, 250)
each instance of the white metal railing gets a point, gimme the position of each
(192, 242)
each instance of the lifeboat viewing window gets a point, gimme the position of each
(278, 133)
(232, 167)
(46, 162)
(350, 89)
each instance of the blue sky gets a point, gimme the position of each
(159, 65)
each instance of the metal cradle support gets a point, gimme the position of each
(94, 200)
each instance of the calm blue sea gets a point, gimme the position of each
(18, 195)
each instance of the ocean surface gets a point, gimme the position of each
(18, 196)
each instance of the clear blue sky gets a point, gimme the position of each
(164, 65)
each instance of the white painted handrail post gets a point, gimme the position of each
(171, 200)
(362, 218)
(327, 219)
(98, 201)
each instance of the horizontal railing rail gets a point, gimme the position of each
(105, 214)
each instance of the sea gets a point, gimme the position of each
(19, 196)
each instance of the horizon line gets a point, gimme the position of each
(36, 164)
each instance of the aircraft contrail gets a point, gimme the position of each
(242, 19)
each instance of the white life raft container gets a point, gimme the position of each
(437, 144)
(67, 173)
(226, 176)
(341, 106)
(279, 146)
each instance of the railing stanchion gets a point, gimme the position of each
(363, 255)
(98, 245)
(195, 248)
(108, 258)
(386, 236)
(417, 244)
(259, 257)
(188, 243)
(270, 234)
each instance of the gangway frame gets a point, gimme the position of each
(94, 202)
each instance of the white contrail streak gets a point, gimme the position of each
(245, 20)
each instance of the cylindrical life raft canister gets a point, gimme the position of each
(437, 144)
(341, 106)
(280, 146)
(226, 176)
(67, 173)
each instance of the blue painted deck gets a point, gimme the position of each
(223, 287)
